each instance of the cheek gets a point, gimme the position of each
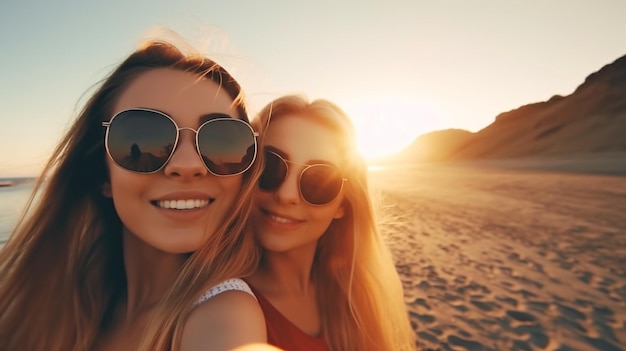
(116, 175)
(262, 196)
(324, 215)
(127, 191)
(128, 188)
(120, 179)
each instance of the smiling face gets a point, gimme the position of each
(175, 209)
(282, 220)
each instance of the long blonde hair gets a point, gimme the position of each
(61, 271)
(359, 290)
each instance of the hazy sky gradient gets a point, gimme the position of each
(399, 68)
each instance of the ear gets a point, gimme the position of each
(340, 212)
(106, 190)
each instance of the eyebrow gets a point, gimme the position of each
(286, 157)
(211, 116)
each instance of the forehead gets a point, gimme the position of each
(303, 139)
(180, 94)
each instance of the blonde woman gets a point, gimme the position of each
(137, 234)
(326, 280)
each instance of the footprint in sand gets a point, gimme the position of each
(467, 344)
(584, 276)
(605, 285)
(602, 344)
(485, 306)
(423, 285)
(516, 257)
(423, 318)
(508, 300)
(460, 307)
(522, 292)
(529, 282)
(563, 322)
(583, 303)
(421, 302)
(508, 271)
(521, 316)
(461, 279)
(523, 323)
(570, 312)
(604, 314)
(451, 298)
(423, 335)
(605, 332)
(538, 306)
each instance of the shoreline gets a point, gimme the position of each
(9, 182)
(609, 164)
(605, 164)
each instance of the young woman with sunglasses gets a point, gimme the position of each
(326, 280)
(138, 228)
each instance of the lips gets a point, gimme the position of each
(187, 204)
(280, 218)
(183, 201)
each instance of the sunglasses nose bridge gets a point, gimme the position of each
(194, 136)
(188, 128)
(185, 157)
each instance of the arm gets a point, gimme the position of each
(229, 320)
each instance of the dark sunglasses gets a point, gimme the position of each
(318, 184)
(143, 141)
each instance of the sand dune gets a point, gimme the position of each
(495, 259)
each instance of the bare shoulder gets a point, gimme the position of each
(226, 321)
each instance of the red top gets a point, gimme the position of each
(284, 334)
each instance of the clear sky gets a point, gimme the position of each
(399, 68)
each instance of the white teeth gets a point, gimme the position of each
(182, 204)
(280, 219)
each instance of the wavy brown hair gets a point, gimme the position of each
(61, 271)
(357, 285)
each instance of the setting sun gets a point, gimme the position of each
(385, 127)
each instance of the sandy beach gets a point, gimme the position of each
(493, 258)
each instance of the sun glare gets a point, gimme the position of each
(386, 127)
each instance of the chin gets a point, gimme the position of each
(274, 245)
(176, 245)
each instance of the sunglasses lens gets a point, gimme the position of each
(320, 184)
(141, 141)
(274, 172)
(227, 146)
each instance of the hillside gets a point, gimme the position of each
(590, 120)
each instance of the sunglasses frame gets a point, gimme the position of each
(306, 167)
(107, 125)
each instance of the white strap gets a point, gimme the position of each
(226, 285)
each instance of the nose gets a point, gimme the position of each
(185, 162)
(288, 192)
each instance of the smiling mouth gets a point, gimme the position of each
(187, 204)
(278, 218)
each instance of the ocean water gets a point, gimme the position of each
(12, 201)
